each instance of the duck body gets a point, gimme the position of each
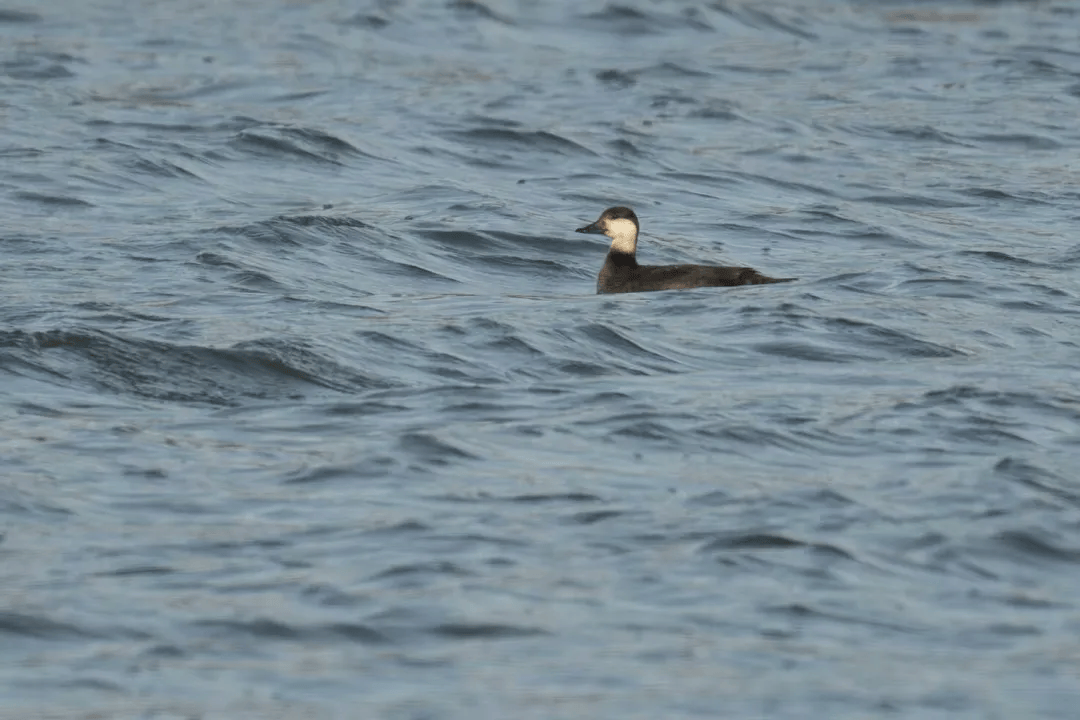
(622, 273)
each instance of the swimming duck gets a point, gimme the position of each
(621, 272)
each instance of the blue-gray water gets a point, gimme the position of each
(308, 408)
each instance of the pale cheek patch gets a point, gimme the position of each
(623, 234)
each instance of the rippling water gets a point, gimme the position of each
(309, 408)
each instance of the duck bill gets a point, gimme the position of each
(593, 229)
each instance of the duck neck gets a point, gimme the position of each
(623, 234)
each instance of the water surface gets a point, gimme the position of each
(308, 407)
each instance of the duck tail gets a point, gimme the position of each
(753, 277)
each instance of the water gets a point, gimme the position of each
(308, 408)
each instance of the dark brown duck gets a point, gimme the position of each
(621, 272)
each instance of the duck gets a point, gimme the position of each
(621, 272)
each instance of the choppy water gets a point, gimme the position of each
(308, 409)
